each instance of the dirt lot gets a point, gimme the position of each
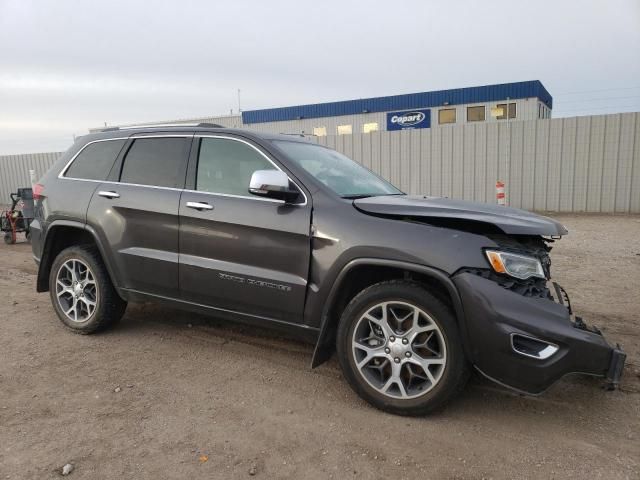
(173, 395)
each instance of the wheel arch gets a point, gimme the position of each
(62, 234)
(363, 272)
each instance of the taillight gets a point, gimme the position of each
(38, 190)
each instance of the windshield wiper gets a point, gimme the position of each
(356, 196)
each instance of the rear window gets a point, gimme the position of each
(156, 161)
(95, 161)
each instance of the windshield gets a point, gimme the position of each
(338, 172)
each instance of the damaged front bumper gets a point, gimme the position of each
(528, 343)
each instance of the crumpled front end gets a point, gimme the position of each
(527, 341)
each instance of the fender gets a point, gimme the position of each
(42, 283)
(323, 347)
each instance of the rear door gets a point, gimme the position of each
(237, 251)
(136, 213)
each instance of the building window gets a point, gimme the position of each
(511, 107)
(370, 127)
(475, 114)
(320, 131)
(447, 115)
(345, 130)
(543, 111)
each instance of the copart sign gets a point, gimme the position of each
(408, 119)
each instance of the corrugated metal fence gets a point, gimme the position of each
(577, 164)
(14, 171)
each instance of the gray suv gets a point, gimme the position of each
(273, 230)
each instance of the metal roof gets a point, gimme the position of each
(456, 96)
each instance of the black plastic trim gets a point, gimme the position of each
(323, 348)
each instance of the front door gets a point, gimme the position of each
(240, 252)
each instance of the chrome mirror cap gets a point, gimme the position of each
(273, 184)
(268, 182)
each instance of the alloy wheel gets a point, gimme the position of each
(399, 349)
(76, 290)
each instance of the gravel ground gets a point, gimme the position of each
(168, 394)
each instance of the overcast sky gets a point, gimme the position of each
(66, 66)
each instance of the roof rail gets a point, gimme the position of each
(163, 125)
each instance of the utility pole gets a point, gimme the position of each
(239, 108)
(507, 151)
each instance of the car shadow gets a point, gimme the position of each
(570, 399)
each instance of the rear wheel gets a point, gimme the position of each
(81, 291)
(400, 349)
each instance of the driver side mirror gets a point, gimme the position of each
(272, 184)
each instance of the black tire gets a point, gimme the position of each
(27, 236)
(456, 370)
(110, 307)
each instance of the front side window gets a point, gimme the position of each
(226, 165)
(155, 161)
(475, 114)
(447, 115)
(95, 161)
(336, 171)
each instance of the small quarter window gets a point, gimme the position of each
(344, 130)
(475, 114)
(447, 115)
(320, 131)
(155, 161)
(95, 161)
(226, 166)
(370, 127)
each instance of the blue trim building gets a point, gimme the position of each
(426, 100)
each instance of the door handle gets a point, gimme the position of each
(108, 194)
(200, 205)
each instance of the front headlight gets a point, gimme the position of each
(518, 266)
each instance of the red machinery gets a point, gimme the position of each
(18, 218)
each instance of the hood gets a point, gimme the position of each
(511, 221)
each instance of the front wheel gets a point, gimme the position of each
(81, 291)
(400, 349)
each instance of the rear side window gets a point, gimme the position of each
(225, 166)
(156, 161)
(95, 160)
